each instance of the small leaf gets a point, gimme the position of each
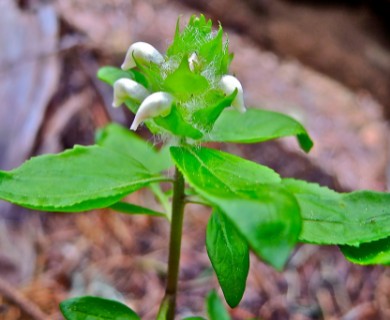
(215, 308)
(79, 179)
(126, 142)
(256, 125)
(163, 311)
(376, 252)
(229, 255)
(340, 218)
(206, 117)
(198, 28)
(183, 82)
(212, 49)
(175, 124)
(266, 216)
(111, 74)
(131, 209)
(95, 308)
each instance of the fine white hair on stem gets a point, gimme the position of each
(157, 104)
(128, 89)
(228, 84)
(144, 53)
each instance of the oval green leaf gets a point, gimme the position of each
(95, 308)
(257, 125)
(79, 179)
(229, 255)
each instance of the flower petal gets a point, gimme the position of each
(228, 84)
(157, 104)
(126, 88)
(144, 53)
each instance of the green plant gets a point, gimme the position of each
(183, 98)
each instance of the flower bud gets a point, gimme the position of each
(144, 53)
(157, 104)
(193, 61)
(228, 84)
(126, 88)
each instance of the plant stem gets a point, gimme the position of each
(175, 243)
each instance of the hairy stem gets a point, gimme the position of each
(175, 243)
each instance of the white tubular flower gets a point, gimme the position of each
(157, 104)
(144, 53)
(126, 88)
(228, 84)
(193, 61)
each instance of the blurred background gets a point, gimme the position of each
(326, 63)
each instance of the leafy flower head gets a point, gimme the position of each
(192, 72)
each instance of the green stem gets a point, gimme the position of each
(175, 244)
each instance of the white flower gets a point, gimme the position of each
(228, 84)
(144, 53)
(193, 61)
(126, 88)
(157, 104)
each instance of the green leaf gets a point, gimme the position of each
(175, 124)
(131, 209)
(79, 179)
(183, 82)
(124, 141)
(163, 310)
(206, 117)
(256, 125)
(152, 75)
(95, 308)
(109, 75)
(376, 252)
(340, 218)
(198, 37)
(229, 255)
(215, 308)
(209, 49)
(197, 31)
(267, 216)
(194, 318)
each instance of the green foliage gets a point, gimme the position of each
(131, 209)
(95, 308)
(267, 216)
(253, 208)
(375, 252)
(229, 255)
(215, 308)
(121, 140)
(80, 179)
(257, 125)
(340, 218)
(111, 74)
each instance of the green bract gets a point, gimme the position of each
(184, 95)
